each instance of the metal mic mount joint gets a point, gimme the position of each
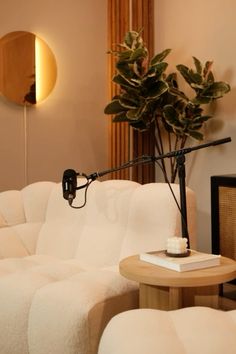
(93, 176)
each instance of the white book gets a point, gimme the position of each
(196, 260)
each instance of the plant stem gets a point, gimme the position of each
(173, 160)
(159, 147)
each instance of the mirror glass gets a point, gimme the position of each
(27, 68)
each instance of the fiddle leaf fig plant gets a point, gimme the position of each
(150, 98)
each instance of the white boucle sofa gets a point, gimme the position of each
(59, 278)
(191, 330)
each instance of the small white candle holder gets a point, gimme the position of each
(177, 247)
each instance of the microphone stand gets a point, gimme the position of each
(182, 190)
(180, 159)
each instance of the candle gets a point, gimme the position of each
(177, 245)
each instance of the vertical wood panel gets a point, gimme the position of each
(143, 143)
(122, 139)
(118, 25)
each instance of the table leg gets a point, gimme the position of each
(173, 298)
(201, 296)
(160, 297)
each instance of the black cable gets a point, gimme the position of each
(85, 197)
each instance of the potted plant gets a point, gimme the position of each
(149, 98)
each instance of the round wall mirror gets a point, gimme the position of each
(27, 68)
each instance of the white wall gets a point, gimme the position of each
(69, 129)
(204, 29)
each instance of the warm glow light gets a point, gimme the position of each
(38, 69)
(45, 70)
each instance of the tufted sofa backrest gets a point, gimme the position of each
(120, 218)
(94, 233)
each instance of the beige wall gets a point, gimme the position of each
(68, 130)
(205, 29)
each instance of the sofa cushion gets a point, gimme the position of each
(93, 234)
(11, 208)
(50, 305)
(22, 214)
(191, 330)
(27, 205)
(35, 200)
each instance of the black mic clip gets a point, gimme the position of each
(70, 183)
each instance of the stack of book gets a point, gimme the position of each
(196, 260)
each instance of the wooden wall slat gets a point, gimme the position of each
(118, 25)
(124, 143)
(143, 144)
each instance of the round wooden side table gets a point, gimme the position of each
(161, 288)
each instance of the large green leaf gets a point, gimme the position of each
(136, 99)
(207, 68)
(140, 125)
(124, 55)
(128, 102)
(156, 90)
(210, 77)
(130, 38)
(193, 110)
(127, 85)
(195, 78)
(198, 65)
(159, 69)
(156, 71)
(160, 57)
(121, 117)
(125, 70)
(183, 69)
(139, 53)
(133, 114)
(172, 116)
(201, 119)
(216, 90)
(136, 114)
(196, 126)
(174, 91)
(137, 69)
(198, 100)
(172, 80)
(197, 87)
(114, 107)
(122, 81)
(148, 82)
(180, 106)
(189, 75)
(195, 134)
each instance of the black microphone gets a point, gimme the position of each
(69, 185)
